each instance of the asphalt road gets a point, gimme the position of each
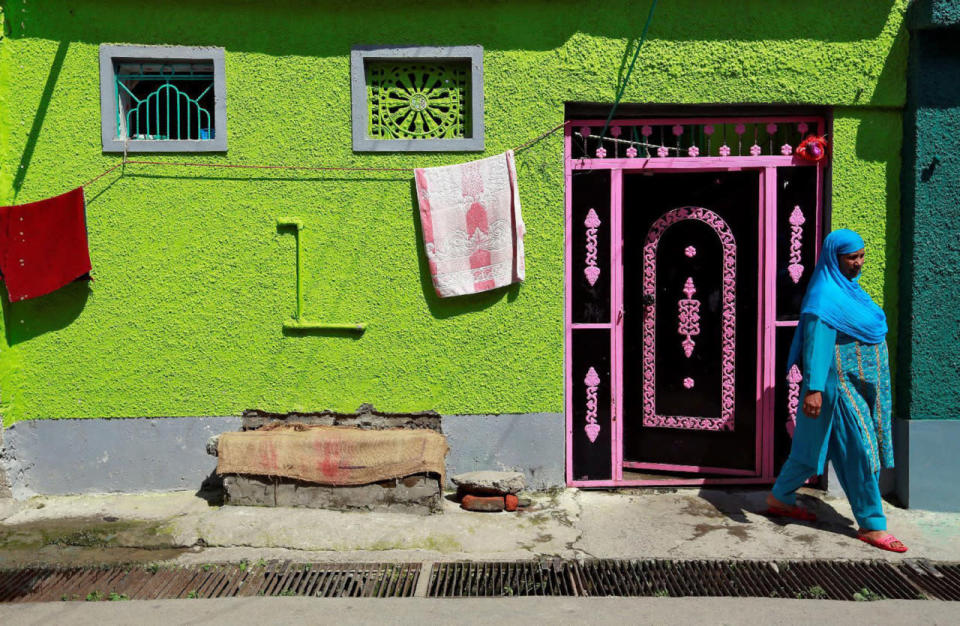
(500, 611)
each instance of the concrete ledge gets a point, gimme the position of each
(927, 463)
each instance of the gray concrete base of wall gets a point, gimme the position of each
(68, 456)
(419, 494)
(4, 483)
(532, 443)
(928, 463)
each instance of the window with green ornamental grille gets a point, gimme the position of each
(417, 98)
(162, 99)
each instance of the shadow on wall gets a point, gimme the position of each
(876, 135)
(266, 28)
(41, 114)
(442, 308)
(31, 318)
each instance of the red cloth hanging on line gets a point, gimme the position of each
(43, 245)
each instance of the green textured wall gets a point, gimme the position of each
(193, 280)
(930, 369)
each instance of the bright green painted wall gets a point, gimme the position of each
(193, 280)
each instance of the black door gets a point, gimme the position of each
(690, 278)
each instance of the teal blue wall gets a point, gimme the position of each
(929, 381)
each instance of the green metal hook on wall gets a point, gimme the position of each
(299, 323)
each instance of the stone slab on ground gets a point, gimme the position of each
(418, 493)
(483, 483)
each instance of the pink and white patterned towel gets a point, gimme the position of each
(472, 229)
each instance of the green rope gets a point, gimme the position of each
(626, 79)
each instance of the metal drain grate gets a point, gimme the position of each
(810, 579)
(836, 580)
(940, 580)
(324, 580)
(523, 578)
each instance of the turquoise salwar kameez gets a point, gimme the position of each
(853, 429)
(841, 350)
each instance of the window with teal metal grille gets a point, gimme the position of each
(161, 102)
(162, 99)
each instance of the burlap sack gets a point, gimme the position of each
(332, 455)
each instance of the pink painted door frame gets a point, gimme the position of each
(623, 155)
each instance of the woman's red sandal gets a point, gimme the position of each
(884, 543)
(793, 512)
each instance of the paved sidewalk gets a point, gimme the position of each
(685, 523)
(525, 611)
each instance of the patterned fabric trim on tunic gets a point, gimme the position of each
(863, 378)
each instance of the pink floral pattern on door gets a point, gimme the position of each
(796, 244)
(689, 317)
(794, 378)
(591, 271)
(728, 269)
(592, 381)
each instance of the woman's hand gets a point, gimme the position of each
(811, 404)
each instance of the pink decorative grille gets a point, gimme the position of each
(591, 271)
(794, 377)
(728, 322)
(592, 381)
(796, 244)
(695, 138)
(689, 315)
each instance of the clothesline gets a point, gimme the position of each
(340, 168)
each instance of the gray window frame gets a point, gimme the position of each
(109, 53)
(360, 55)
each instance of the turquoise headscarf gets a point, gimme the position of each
(837, 300)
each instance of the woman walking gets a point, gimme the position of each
(840, 347)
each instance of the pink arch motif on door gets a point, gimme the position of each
(728, 323)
